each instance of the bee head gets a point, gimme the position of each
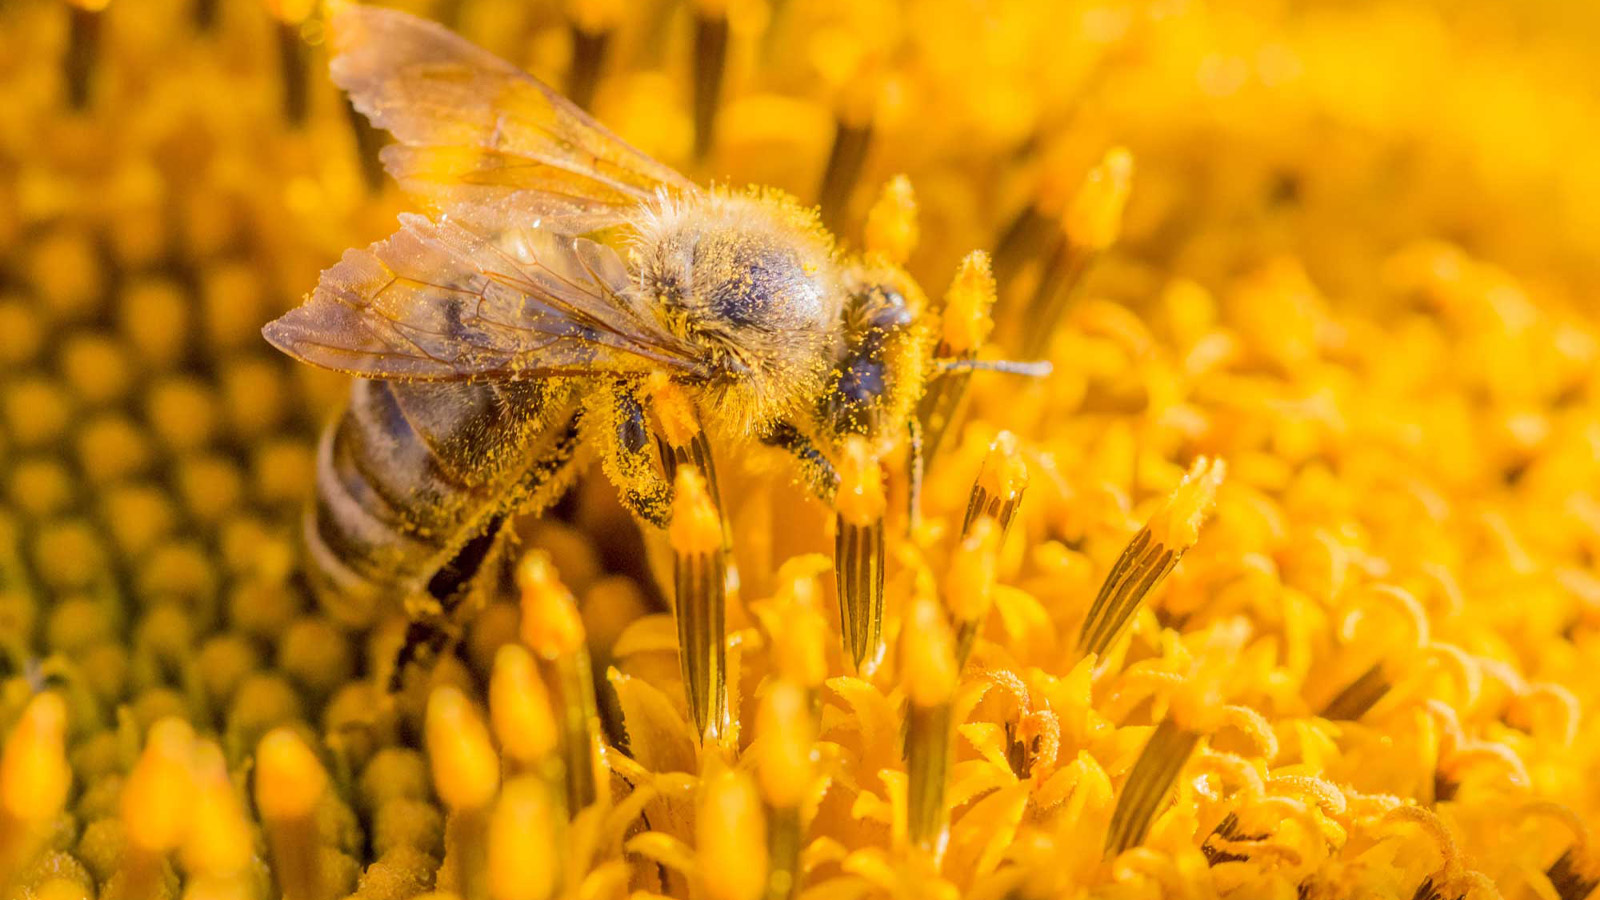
(736, 276)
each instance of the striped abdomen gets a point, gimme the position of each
(412, 473)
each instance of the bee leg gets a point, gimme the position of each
(426, 638)
(820, 477)
(626, 456)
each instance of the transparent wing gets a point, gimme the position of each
(439, 301)
(476, 133)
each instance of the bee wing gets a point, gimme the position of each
(439, 301)
(477, 133)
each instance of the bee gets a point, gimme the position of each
(562, 287)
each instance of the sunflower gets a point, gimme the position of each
(1281, 584)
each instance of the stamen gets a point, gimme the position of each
(1574, 875)
(466, 775)
(970, 583)
(785, 733)
(858, 553)
(156, 806)
(965, 325)
(696, 537)
(523, 842)
(1152, 553)
(290, 783)
(593, 24)
(553, 630)
(891, 230)
(519, 709)
(34, 780)
(710, 60)
(219, 845)
(1089, 226)
(1361, 695)
(294, 56)
(86, 19)
(1152, 776)
(928, 674)
(731, 837)
(852, 138)
(369, 142)
(1001, 482)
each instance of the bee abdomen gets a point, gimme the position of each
(410, 473)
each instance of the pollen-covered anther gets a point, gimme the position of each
(551, 625)
(1093, 220)
(731, 837)
(859, 552)
(35, 779)
(1152, 553)
(970, 580)
(466, 776)
(219, 843)
(928, 674)
(1001, 482)
(290, 783)
(553, 629)
(965, 322)
(699, 573)
(1148, 783)
(524, 859)
(891, 230)
(519, 709)
(785, 733)
(466, 770)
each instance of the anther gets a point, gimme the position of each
(964, 326)
(1001, 483)
(731, 837)
(1090, 225)
(891, 230)
(86, 19)
(785, 733)
(553, 630)
(710, 62)
(859, 552)
(695, 535)
(294, 56)
(519, 709)
(290, 783)
(219, 844)
(523, 850)
(34, 779)
(593, 24)
(157, 802)
(1153, 774)
(851, 139)
(1152, 553)
(928, 674)
(466, 775)
(969, 583)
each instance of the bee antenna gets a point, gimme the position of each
(1035, 369)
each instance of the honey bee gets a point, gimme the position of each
(560, 286)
